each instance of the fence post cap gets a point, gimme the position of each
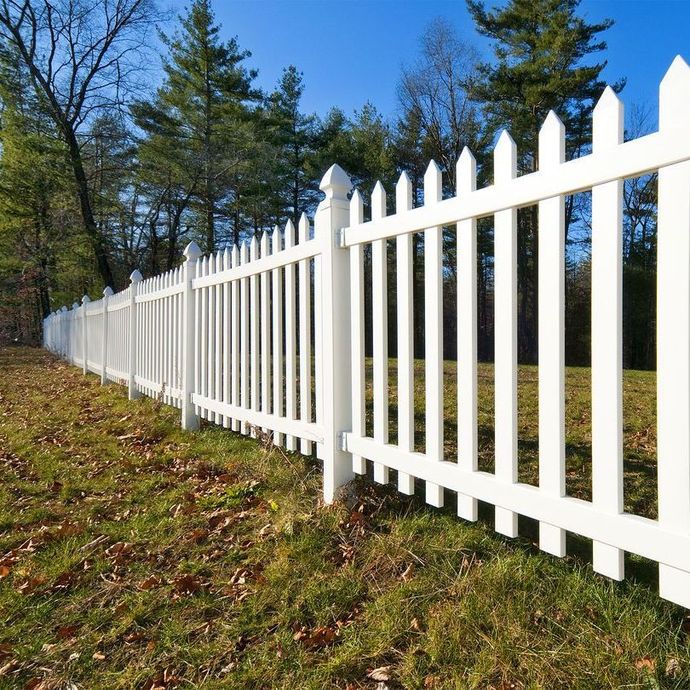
(192, 251)
(108, 292)
(85, 299)
(75, 305)
(135, 276)
(336, 183)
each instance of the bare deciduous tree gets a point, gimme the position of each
(82, 56)
(434, 89)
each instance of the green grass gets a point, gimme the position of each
(135, 555)
(639, 428)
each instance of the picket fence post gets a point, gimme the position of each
(84, 344)
(72, 345)
(107, 294)
(134, 280)
(190, 420)
(333, 292)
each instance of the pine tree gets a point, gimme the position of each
(540, 49)
(292, 135)
(202, 109)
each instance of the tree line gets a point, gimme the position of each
(100, 173)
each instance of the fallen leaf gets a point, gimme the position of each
(66, 632)
(672, 667)
(98, 656)
(189, 584)
(119, 550)
(150, 582)
(316, 638)
(380, 673)
(645, 663)
(30, 584)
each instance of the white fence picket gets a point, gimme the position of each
(673, 331)
(359, 464)
(290, 380)
(551, 336)
(505, 331)
(379, 297)
(607, 333)
(305, 330)
(433, 332)
(466, 176)
(277, 351)
(403, 251)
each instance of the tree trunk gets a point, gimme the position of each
(88, 220)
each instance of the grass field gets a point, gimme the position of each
(639, 432)
(134, 555)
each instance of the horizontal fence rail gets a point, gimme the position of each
(269, 337)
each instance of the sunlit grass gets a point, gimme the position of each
(136, 555)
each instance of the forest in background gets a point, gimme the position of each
(102, 172)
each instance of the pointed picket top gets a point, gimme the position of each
(226, 258)
(303, 228)
(276, 240)
(403, 193)
(466, 172)
(608, 120)
(253, 248)
(335, 184)
(264, 244)
(551, 142)
(674, 95)
(135, 276)
(108, 292)
(505, 158)
(244, 253)
(378, 201)
(75, 305)
(85, 299)
(356, 208)
(289, 234)
(235, 256)
(192, 251)
(433, 189)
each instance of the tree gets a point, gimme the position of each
(435, 99)
(539, 48)
(200, 111)
(292, 135)
(33, 191)
(81, 57)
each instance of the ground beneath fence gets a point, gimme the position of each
(134, 555)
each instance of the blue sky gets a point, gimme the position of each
(352, 51)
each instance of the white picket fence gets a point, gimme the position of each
(229, 337)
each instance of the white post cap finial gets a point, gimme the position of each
(75, 305)
(192, 251)
(135, 276)
(108, 292)
(85, 299)
(64, 307)
(336, 183)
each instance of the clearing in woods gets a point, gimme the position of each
(135, 555)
